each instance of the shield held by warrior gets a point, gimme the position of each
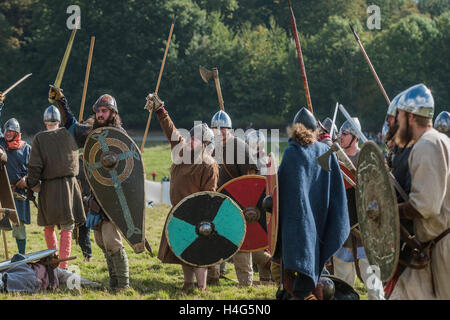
(6, 199)
(249, 192)
(270, 203)
(377, 210)
(114, 169)
(205, 229)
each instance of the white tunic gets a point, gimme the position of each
(429, 164)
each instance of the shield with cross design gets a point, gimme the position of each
(115, 172)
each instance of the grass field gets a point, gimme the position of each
(149, 278)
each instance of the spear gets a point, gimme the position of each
(300, 57)
(158, 82)
(86, 79)
(370, 65)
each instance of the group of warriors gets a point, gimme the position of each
(316, 236)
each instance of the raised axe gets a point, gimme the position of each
(206, 75)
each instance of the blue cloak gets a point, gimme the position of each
(314, 220)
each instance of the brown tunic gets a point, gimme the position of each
(54, 162)
(186, 179)
(235, 162)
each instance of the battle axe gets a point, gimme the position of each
(206, 75)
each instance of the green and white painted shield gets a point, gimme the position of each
(114, 170)
(205, 228)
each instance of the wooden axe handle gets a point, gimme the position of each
(219, 92)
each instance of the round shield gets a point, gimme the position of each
(272, 190)
(7, 200)
(249, 192)
(205, 229)
(115, 172)
(377, 209)
(30, 257)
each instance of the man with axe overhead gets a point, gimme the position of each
(350, 260)
(233, 157)
(18, 152)
(428, 206)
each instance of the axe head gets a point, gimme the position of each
(324, 160)
(207, 74)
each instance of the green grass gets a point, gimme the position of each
(149, 278)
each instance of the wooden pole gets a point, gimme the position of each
(157, 85)
(86, 79)
(5, 244)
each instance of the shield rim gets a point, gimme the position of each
(211, 193)
(43, 254)
(13, 217)
(140, 246)
(274, 233)
(242, 178)
(371, 144)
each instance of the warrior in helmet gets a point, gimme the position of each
(442, 123)
(18, 153)
(327, 134)
(312, 208)
(52, 171)
(350, 260)
(233, 157)
(257, 144)
(194, 173)
(429, 197)
(106, 235)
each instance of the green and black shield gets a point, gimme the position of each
(115, 172)
(205, 228)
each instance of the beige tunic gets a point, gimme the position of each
(54, 162)
(185, 179)
(429, 165)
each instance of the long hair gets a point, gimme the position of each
(299, 133)
(113, 121)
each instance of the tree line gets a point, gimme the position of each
(251, 44)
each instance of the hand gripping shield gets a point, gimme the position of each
(114, 170)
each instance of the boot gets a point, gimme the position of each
(112, 274)
(120, 261)
(21, 244)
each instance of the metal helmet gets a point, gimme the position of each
(305, 117)
(392, 109)
(106, 100)
(51, 114)
(417, 100)
(328, 288)
(348, 127)
(207, 133)
(326, 125)
(11, 125)
(256, 139)
(384, 130)
(221, 120)
(442, 123)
